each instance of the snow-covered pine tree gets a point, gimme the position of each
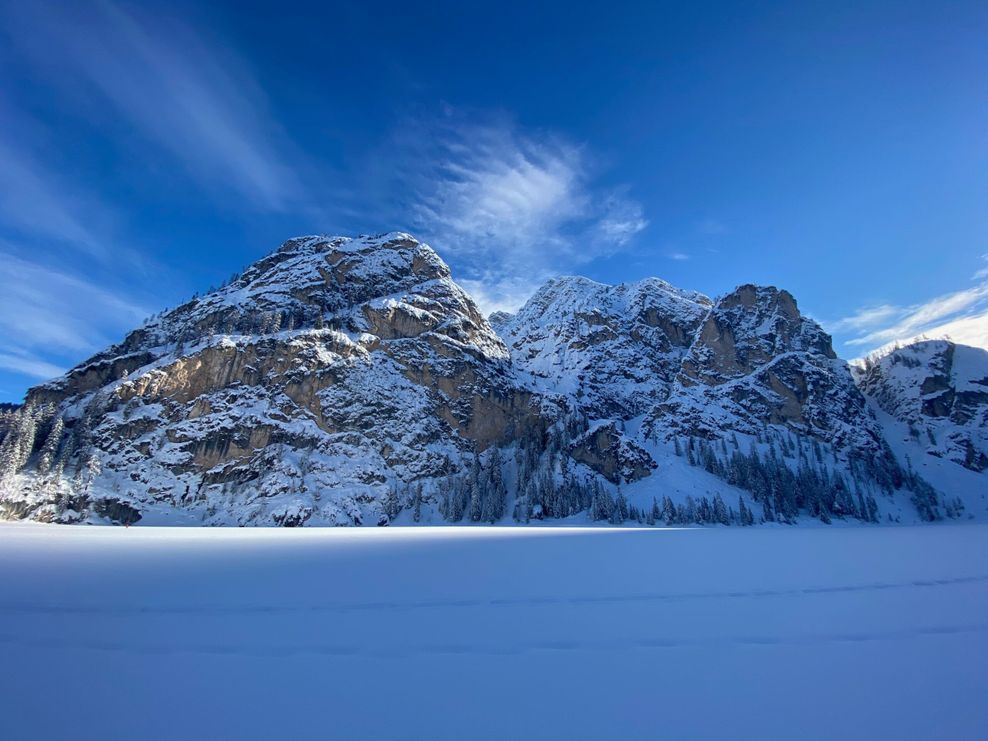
(494, 495)
(417, 503)
(50, 448)
(602, 505)
(745, 516)
(720, 512)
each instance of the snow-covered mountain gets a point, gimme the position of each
(940, 390)
(351, 381)
(677, 372)
(307, 390)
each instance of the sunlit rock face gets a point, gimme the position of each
(757, 361)
(324, 376)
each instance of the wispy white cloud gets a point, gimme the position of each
(191, 97)
(867, 319)
(30, 365)
(47, 315)
(680, 256)
(983, 273)
(36, 202)
(622, 219)
(512, 206)
(493, 185)
(30, 203)
(969, 330)
(498, 292)
(955, 313)
(920, 318)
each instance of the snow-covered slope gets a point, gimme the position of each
(940, 390)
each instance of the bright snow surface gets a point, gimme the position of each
(475, 633)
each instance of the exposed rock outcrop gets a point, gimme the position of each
(757, 361)
(608, 452)
(940, 390)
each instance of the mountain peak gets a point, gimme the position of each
(616, 347)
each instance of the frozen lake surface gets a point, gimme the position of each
(476, 633)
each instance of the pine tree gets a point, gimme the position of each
(457, 493)
(690, 514)
(745, 516)
(474, 503)
(602, 505)
(621, 505)
(473, 509)
(862, 507)
(668, 511)
(494, 495)
(720, 511)
(768, 513)
(619, 509)
(417, 506)
(390, 504)
(50, 448)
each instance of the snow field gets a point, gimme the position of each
(474, 632)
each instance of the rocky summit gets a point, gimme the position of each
(298, 392)
(351, 381)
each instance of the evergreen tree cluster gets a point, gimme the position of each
(544, 482)
(694, 511)
(793, 476)
(36, 437)
(480, 496)
(547, 486)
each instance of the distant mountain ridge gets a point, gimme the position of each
(348, 381)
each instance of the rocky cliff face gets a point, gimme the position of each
(348, 381)
(940, 390)
(687, 365)
(326, 375)
(755, 362)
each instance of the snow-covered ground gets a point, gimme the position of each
(474, 633)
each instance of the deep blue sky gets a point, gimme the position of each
(148, 150)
